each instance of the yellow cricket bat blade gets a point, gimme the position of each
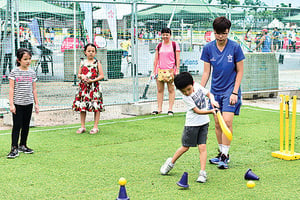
(224, 127)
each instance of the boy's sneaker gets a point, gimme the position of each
(25, 149)
(13, 153)
(166, 168)
(223, 164)
(202, 177)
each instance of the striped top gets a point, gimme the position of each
(23, 91)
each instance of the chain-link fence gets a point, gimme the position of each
(127, 34)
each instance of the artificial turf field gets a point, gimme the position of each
(67, 165)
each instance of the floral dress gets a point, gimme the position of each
(89, 95)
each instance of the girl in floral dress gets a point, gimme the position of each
(89, 96)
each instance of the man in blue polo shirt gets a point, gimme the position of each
(226, 58)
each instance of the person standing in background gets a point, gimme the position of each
(265, 42)
(291, 34)
(7, 48)
(280, 40)
(166, 66)
(89, 95)
(22, 95)
(248, 37)
(275, 38)
(125, 45)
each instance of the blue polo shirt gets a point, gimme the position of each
(224, 65)
(266, 46)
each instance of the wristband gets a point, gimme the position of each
(235, 93)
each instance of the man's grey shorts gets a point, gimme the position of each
(194, 135)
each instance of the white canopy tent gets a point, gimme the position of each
(276, 23)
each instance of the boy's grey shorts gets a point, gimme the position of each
(194, 135)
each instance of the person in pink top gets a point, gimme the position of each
(167, 57)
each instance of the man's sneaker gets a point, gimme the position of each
(166, 168)
(13, 153)
(202, 177)
(25, 149)
(215, 160)
(223, 164)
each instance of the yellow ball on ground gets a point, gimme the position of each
(122, 181)
(250, 184)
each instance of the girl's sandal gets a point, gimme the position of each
(94, 131)
(80, 130)
(170, 113)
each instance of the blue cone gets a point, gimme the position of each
(183, 181)
(122, 193)
(249, 175)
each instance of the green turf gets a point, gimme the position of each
(67, 165)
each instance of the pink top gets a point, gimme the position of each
(166, 57)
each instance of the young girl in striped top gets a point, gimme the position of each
(22, 95)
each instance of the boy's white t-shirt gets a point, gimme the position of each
(196, 99)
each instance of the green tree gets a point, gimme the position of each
(283, 5)
(256, 11)
(232, 2)
(281, 13)
(254, 3)
(249, 2)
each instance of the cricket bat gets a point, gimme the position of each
(224, 127)
(146, 88)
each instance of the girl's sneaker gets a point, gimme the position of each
(25, 149)
(13, 153)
